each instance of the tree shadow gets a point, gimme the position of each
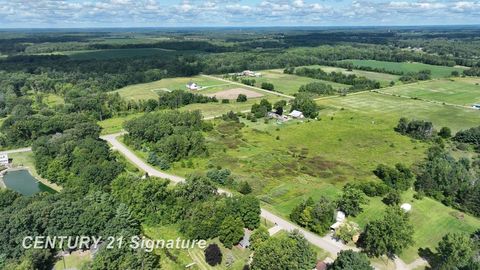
(429, 256)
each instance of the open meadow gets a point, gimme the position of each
(459, 91)
(406, 67)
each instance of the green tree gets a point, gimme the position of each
(351, 201)
(259, 236)
(350, 260)
(455, 250)
(268, 86)
(250, 211)
(213, 255)
(245, 188)
(445, 132)
(290, 251)
(388, 236)
(392, 198)
(231, 231)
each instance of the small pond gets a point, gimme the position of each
(24, 183)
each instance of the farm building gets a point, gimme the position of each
(4, 159)
(296, 114)
(193, 86)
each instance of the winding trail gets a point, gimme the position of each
(327, 243)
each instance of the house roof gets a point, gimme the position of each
(321, 266)
(296, 113)
(246, 238)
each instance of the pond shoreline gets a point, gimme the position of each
(32, 173)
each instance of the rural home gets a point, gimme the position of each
(249, 73)
(193, 86)
(296, 114)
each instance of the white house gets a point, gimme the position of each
(296, 114)
(3, 159)
(193, 86)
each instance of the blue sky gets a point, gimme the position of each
(184, 13)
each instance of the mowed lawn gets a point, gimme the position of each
(390, 109)
(460, 91)
(431, 220)
(406, 67)
(289, 84)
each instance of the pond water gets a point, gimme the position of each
(24, 183)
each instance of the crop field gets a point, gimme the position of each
(383, 78)
(460, 91)
(115, 53)
(437, 71)
(428, 231)
(287, 83)
(390, 108)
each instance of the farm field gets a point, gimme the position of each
(428, 231)
(460, 91)
(390, 108)
(287, 83)
(437, 71)
(383, 78)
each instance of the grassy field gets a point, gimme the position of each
(115, 124)
(460, 91)
(437, 71)
(287, 83)
(383, 78)
(150, 90)
(428, 231)
(308, 159)
(390, 108)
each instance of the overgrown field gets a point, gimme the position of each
(406, 67)
(460, 91)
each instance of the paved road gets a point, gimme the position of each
(248, 86)
(20, 150)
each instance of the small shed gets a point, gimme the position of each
(245, 242)
(296, 114)
(320, 266)
(339, 220)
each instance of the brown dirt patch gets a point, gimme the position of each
(233, 94)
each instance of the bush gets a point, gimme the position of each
(245, 188)
(225, 101)
(213, 255)
(242, 98)
(445, 133)
(392, 198)
(268, 86)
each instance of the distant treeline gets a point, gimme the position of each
(357, 83)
